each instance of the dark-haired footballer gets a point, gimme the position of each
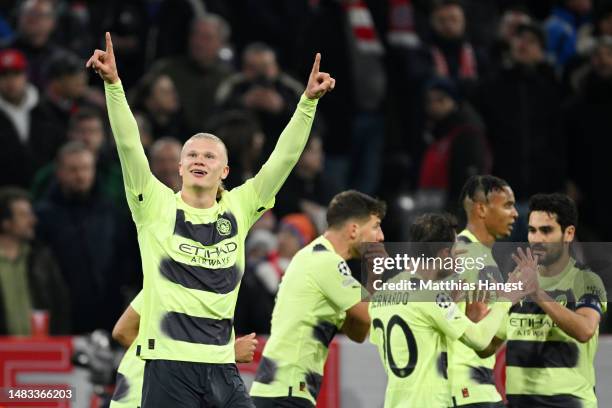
(489, 205)
(317, 298)
(552, 340)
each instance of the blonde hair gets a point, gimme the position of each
(209, 136)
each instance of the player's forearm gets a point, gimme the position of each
(288, 150)
(134, 164)
(357, 322)
(573, 324)
(123, 124)
(491, 349)
(478, 336)
(356, 330)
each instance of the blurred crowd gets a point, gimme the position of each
(428, 93)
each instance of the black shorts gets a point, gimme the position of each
(181, 384)
(282, 402)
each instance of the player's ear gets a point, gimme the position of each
(353, 229)
(180, 168)
(481, 209)
(225, 172)
(569, 233)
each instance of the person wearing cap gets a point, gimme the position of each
(457, 146)
(29, 139)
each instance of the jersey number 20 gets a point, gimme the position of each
(413, 355)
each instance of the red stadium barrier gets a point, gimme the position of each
(20, 357)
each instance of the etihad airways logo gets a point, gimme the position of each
(221, 255)
(209, 252)
(532, 322)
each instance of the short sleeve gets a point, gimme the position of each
(447, 316)
(333, 277)
(136, 303)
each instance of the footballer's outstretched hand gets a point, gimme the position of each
(527, 269)
(103, 62)
(476, 307)
(319, 83)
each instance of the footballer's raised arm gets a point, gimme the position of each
(292, 140)
(134, 164)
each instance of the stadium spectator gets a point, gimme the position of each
(262, 277)
(263, 89)
(30, 278)
(175, 16)
(29, 137)
(587, 119)
(457, 147)
(348, 34)
(198, 74)
(130, 21)
(165, 155)
(448, 53)
(580, 65)
(67, 89)
(88, 237)
(244, 140)
(603, 20)
(499, 52)
(521, 107)
(307, 190)
(569, 21)
(156, 99)
(36, 22)
(88, 127)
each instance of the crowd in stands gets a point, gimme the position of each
(429, 93)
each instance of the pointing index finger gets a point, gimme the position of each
(315, 66)
(109, 43)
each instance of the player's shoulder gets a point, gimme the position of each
(319, 256)
(320, 250)
(582, 272)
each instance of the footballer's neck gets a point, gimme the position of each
(339, 242)
(199, 197)
(556, 267)
(479, 230)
